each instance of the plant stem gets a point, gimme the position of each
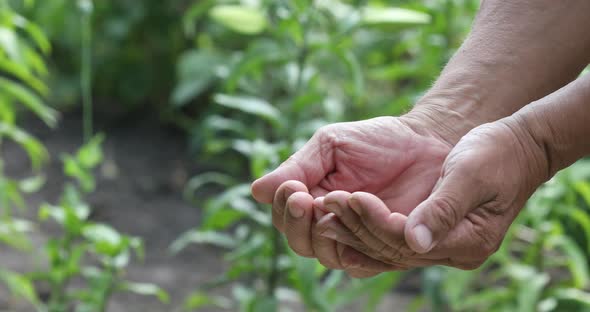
(86, 71)
(103, 304)
(273, 276)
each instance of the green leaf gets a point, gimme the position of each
(193, 15)
(202, 237)
(90, 155)
(21, 72)
(32, 184)
(198, 300)
(34, 32)
(374, 16)
(35, 150)
(146, 290)
(19, 286)
(106, 240)
(576, 260)
(355, 70)
(250, 105)
(196, 73)
(9, 43)
(574, 294)
(73, 169)
(13, 232)
(239, 18)
(197, 182)
(30, 100)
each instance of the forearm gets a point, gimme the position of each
(560, 125)
(517, 52)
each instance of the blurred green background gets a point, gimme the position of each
(244, 84)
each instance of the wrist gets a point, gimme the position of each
(446, 116)
(531, 151)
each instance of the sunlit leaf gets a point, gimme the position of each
(30, 100)
(9, 43)
(202, 237)
(21, 72)
(90, 155)
(19, 286)
(34, 32)
(250, 105)
(32, 184)
(239, 18)
(146, 290)
(375, 16)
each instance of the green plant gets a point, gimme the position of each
(135, 42)
(295, 67)
(23, 48)
(92, 252)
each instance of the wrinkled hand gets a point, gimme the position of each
(384, 156)
(486, 180)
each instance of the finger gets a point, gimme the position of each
(330, 227)
(298, 216)
(309, 165)
(318, 191)
(383, 225)
(431, 221)
(323, 248)
(280, 200)
(355, 273)
(353, 260)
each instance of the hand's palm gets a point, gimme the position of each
(382, 156)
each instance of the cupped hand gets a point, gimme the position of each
(486, 180)
(396, 159)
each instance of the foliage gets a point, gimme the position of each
(23, 47)
(279, 71)
(80, 239)
(250, 81)
(136, 42)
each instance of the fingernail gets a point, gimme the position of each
(335, 208)
(296, 211)
(423, 236)
(329, 233)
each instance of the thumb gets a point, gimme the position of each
(455, 195)
(309, 165)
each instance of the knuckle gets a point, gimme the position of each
(446, 214)
(487, 238)
(301, 250)
(393, 254)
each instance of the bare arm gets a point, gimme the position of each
(517, 52)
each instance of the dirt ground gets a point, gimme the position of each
(139, 193)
